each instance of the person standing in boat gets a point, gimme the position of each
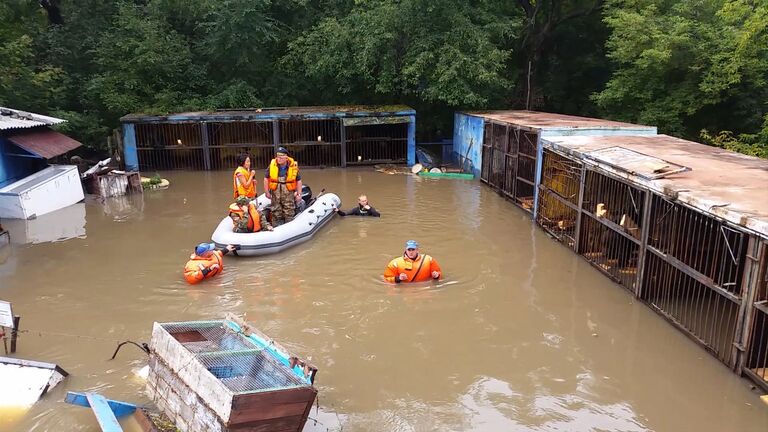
(282, 185)
(362, 209)
(412, 266)
(246, 217)
(205, 263)
(243, 183)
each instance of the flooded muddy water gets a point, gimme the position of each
(521, 335)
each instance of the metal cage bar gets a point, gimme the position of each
(373, 144)
(705, 314)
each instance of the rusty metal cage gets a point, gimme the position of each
(170, 145)
(509, 162)
(704, 244)
(228, 139)
(312, 142)
(611, 224)
(241, 365)
(558, 209)
(706, 314)
(372, 144)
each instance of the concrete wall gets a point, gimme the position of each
(468, 131)
(178, 401)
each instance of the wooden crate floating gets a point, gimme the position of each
(114, 183)
(224, 375)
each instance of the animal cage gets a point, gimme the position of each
(558, 209)
(611, 224)
(315, 136)
(224, 375)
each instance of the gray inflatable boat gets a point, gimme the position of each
(300, 229)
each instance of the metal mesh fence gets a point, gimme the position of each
(248, 371)
(237, 362)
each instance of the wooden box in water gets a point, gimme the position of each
(224, 375)
(114, 183)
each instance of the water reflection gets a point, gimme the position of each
(60, 225)
(519, 335)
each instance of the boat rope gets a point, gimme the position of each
(42, 333)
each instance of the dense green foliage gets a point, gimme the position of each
(696, 68)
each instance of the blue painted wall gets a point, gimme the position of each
(411, 140)
(13, 168)
(129, 147)
(468, 130)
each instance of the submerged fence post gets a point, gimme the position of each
(343, 138)
(15, 332)
(750, 286)
(275, 135)
(206, 146)
(537, 176)
(577, 234)
(646, 229)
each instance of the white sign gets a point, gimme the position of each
(6, 314)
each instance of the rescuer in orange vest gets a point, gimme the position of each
(282, 184)
(246, 217)
(242, 179)
(206, 262)
(412, 266)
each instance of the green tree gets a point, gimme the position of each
(144, 66)
(438, 52)
(685, 66)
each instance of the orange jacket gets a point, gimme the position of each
(290, 179)
(418, 270)
(240, 189)
(194, 274)
(254, 217)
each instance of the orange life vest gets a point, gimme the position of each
(418, 270)
(290, 179)
(240, 189)
(254, 217)
(192, 272)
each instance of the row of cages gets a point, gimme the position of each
(688, 266)
(314, 143)
(509, 162)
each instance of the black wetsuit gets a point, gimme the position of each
(360, 211)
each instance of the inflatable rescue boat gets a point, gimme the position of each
(304, 225)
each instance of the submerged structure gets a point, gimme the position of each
(224, 375)
(30, 185)
(26, 381)
(324, 136)
(681, 225)
(503, 146)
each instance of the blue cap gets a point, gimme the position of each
(411, 244)
(204, 247)
(282, 150)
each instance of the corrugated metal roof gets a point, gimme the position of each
(44, 143)
(15, 119)
(722, 183)
(542, 120)
(274, 113)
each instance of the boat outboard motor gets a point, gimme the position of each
(306, 194)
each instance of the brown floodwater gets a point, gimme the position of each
(521, 335)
